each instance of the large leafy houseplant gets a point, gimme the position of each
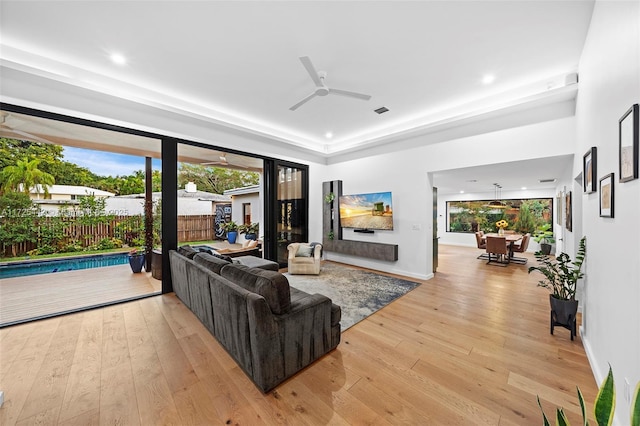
(250, 230)
(544, 236)
(561, 274)
(231, 228)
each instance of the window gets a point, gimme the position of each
(523, 215)
(246, 213)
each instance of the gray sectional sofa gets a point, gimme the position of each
(272, 330)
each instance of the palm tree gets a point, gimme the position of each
(25, 175)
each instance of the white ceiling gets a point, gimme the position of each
(511, 176)
(238, 62)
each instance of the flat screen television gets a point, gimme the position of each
(366, 211)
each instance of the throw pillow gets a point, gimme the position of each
(252, 244)
(245, 243)
(187, 251)
(223, 257)
(210, 262)
(304, 251)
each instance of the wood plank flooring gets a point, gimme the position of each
(37, 296)
(470, 346)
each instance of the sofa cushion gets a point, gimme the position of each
(271, 285)
(223, 257)
(187, 251)
(257, 262)
(304, 251)
(298, 296)
(209, 261)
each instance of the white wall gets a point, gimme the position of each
(406, 175)
(134, 206)
(609, 84)
(469, 239)
(255, 200)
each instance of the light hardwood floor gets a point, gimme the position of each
(471, 346)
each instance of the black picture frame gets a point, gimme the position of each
(606, 195)
(568, 219)
(589, 165)
(628, 144)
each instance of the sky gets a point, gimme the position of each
(106, 163)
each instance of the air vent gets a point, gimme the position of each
(381, 110)
(547, 180)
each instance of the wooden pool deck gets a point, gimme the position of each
(39, 296)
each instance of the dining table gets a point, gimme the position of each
(510, 238)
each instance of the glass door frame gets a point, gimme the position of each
(271, 205)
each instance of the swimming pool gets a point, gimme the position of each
(21, 269)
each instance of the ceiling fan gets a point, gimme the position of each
(222, 162)
(318, 78)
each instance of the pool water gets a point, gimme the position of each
(21, 269)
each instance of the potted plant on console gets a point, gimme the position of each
(250, 230)
(544, 236)
(231, 228)
(561, 277)
(136, 259)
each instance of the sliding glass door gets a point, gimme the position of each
(287, 188)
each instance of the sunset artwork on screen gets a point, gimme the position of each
(366, 211)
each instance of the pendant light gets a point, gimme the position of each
(497, 203)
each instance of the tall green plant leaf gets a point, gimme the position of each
(583, 408)
(545, 421)
(605, 404)
(561, 418)
(635, 407)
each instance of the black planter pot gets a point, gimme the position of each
(545, 248)
(136, 261)
(563, 313)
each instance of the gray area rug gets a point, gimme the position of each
(359, 293)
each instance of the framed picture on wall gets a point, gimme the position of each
(589, 170)
(628, 140)
(568, 216)
(606, 196)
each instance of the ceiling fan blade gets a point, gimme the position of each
(350, 94)
(302, 102)
(311, 70)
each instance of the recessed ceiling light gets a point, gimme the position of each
(118, 58)
(523, 188)
(462, 192)
(488, 79)
(328, 135)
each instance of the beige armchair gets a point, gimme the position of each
(304, 259)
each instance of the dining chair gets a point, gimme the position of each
(521, 248)
(497, 250)
(482, 244)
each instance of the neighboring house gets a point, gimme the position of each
(246, 205)
(191, 202)
(63, 195)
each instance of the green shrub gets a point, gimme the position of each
(109, 243)
(46, 249)
(71, 247)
